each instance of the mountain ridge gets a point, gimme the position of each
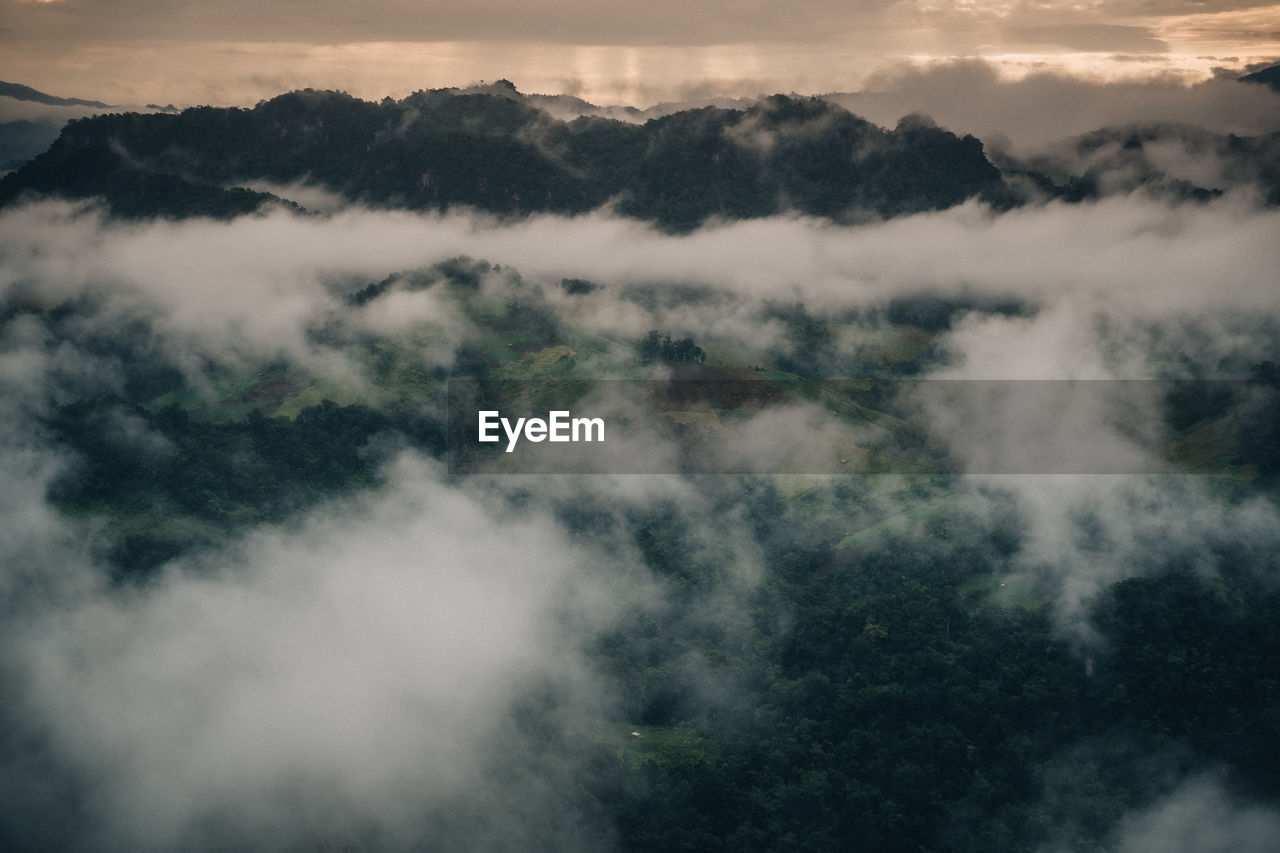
(1266, 77)
(492, 148)
(439, 149)
(26, 93)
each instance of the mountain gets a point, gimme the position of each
(1267, 77)
(26, 93)
(495, 152)
(27, 130)
(566, 107)
(22, 139)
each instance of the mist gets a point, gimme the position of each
(353, 675)
(260, 279)
(970, 96)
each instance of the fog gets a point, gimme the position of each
(258, 281)
(1200, 817)
(349, 677)
(970, 96)
(361, 663)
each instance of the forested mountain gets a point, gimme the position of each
(436, 150)
(26, 93)
(495, 150)
(26, 131)
(1266, 77)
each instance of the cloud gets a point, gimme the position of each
(1114, 289)
(140, 51)
(345, 676)
(1083, 533)
(1088, 37)
(969, 96)
(312, 196)
(33, 377)
(1200, 817)
(558, 21)
(14, 109)
(354, 677)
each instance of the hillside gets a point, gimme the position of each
(438, 150)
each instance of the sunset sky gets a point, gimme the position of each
(632, 51)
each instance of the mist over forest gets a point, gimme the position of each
(249, 601)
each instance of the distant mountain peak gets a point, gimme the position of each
(26, 93)
(1267, 77)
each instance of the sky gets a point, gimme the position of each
(638, 52)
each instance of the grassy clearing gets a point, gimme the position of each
(660, 745)
(1016, 591)
(898, 522)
